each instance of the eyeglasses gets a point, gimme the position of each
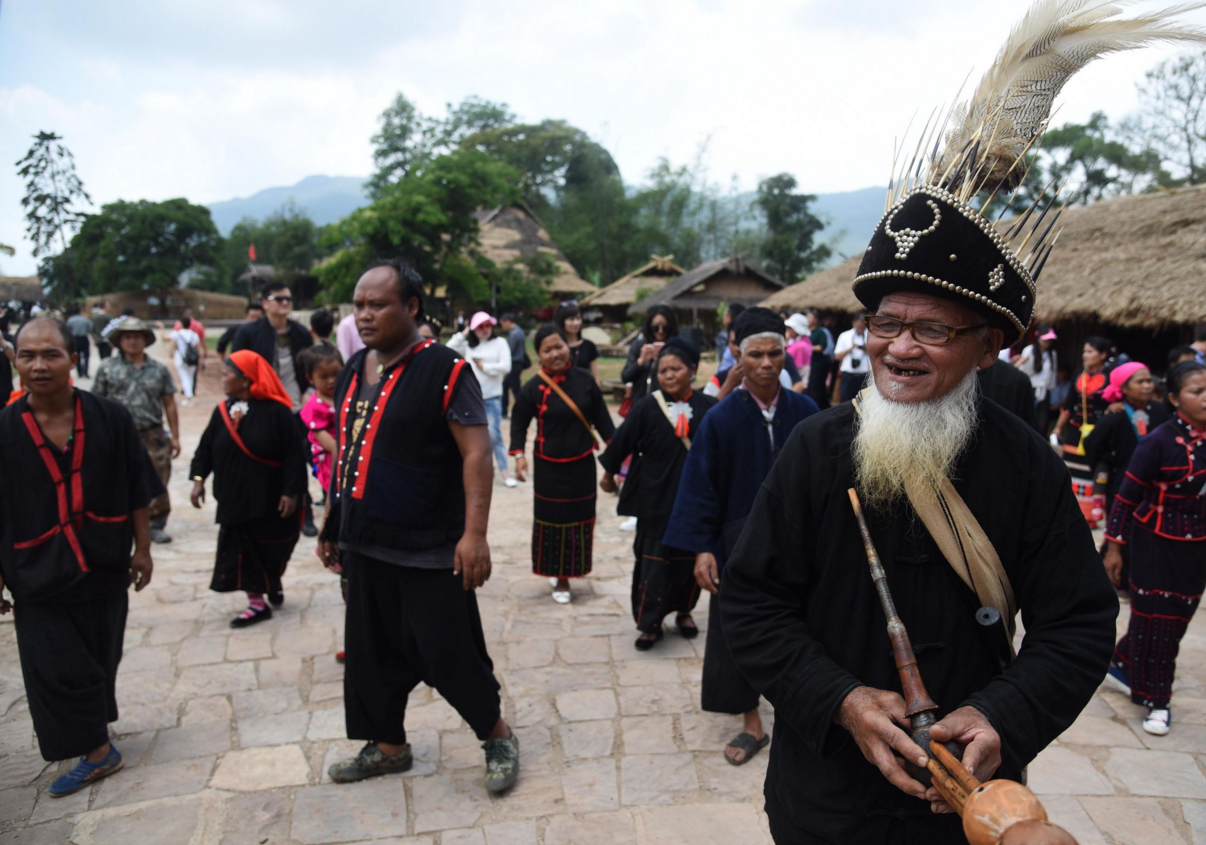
(930, 334)
(658, 327)
(274, 298)
(569, 303)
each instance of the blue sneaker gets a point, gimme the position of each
(85, 774)
(1117, 680)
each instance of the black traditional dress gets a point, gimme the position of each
(663, 581)
(1160, 514)
(1085, 405)
(804, 623)
(66, 532)
(253, 464)
(563, 468)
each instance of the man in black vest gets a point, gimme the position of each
(409, 504)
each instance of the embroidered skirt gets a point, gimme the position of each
(1166, 582)
(663, 581)
(252, 556)
(563, 528)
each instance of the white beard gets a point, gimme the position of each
(921, 440)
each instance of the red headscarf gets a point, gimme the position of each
(265, 383)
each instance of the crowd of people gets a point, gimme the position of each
(400, 434)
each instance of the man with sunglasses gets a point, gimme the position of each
(279, 340)
(973, 517)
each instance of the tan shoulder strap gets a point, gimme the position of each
(660, 398)
(570, 403)
(963, 543)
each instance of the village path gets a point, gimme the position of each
(227, 735)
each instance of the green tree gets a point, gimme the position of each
(789, 250)
(291, 242)
(52, 190)
(1095, 162)
(429, 218)
(1171, 121)
(144, 245)
(541, 153)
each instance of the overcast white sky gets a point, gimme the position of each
(167, 98)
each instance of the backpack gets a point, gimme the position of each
(189, 354)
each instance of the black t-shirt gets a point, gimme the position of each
(582, 354)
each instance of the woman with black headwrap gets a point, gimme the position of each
(659, 430)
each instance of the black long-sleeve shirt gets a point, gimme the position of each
(244, 488)
(560, 435)
(804, 624)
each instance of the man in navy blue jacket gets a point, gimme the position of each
(737, 444)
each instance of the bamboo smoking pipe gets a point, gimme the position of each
(997, 812)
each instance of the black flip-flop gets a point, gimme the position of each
(747, 743)
(644, 644)
(687, 632)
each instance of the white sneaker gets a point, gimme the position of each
(510, 482)
(1157, 721)
(629, 524)
(562, 596)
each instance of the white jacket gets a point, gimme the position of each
(495, 355)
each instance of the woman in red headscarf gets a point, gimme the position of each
(255, 451)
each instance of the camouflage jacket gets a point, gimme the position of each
(141, 389)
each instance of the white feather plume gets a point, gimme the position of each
(1012, 104)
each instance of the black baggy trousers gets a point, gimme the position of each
(407, 625)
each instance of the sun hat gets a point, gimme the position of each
(798, 323)
(133, 325)
(479, 318)
(1049, 335)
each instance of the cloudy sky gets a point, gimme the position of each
(159, 98)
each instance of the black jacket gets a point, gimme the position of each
(260, 338)
(1010, 388)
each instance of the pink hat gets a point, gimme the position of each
(1050, 335)
(1119, 376)
(479, 318)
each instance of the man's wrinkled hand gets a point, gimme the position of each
(328, 552)
(971, 729)
(472, 561)
(197, 497)
(877, 721)
(707, 574)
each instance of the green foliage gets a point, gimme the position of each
(287, 239)
(428, 218)
(542, 153)
(144, 245)
(522, 283)
(59, 278)
(1095, 162)
(789, 251)
(52, 189)
(1171, 122)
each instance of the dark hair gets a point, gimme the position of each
(1199, 333)
(859, 315)
(271, 288)
(543, 333)
(64, 332)
(253, 306)
(322, 322)
(563, 313)
(683, 350)
(410, 283)
(474, 340)
(660, 311)
(185, 322)
(1102, 344)
(127, 311)
(735, 309)
(1178, 352)
(508, 316)
(73, 309)
(315, 356)
(434, 324)
(1178, 374)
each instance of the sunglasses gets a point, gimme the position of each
(284, 299)
(658, 327)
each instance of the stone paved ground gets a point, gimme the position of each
(227, 734)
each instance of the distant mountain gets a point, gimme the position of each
(324, 198)
(850, 216)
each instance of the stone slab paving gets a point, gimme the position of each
(228, 734)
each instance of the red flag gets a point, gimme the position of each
(251, 252)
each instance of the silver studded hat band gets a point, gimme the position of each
(930, 242)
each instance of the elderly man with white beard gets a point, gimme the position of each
(803, 622)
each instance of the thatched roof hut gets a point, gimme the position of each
(1132, 262)
(697, 294)
(170, 303)
(21, 288)
(512, 232)
(613, 300)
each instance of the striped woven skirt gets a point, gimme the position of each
(563, 528)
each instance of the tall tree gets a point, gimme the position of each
(1171, 120)
(540, 152)
(789, 251)
(52, 190)
(144, 245)
(1095, 162)
(430, 219)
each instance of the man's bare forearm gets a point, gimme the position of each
(477, 474)
(141, 519)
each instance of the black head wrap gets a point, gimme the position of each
(683, 349)
(758, 321)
